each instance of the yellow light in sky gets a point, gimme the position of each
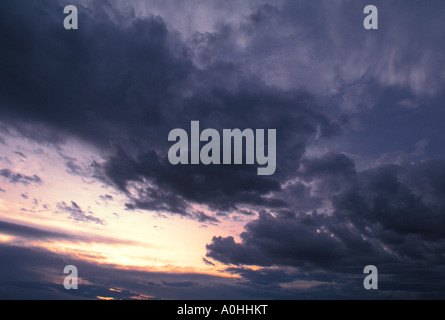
(6, 238)
(128, 239)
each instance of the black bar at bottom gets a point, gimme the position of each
(220, 309)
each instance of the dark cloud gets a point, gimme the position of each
(309, 70)
(73, 168)
(322, 48)
(19, 178)
(178, 284)
(390, 197)
(38, 274)
(329, 165)
(202, 217)
(169, 188)
(222, 187)
(313, 45)
(33, 273)
(133, 102)
(20, 154)
(106, 197)
(299, 241)
(30, 232)
(76, 213)
(381, 217)
(102, 92)
(34, 233)
(247, 212)
(207, 261)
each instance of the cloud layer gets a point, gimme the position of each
(390, 216)
(347, 105)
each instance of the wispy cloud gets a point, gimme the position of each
(19, 178)
(76, 213)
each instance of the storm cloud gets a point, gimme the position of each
(128, 85)
(383, 217)
(348, 105)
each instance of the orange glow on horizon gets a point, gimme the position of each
(6, 238)
(139, 240)
(142, 297)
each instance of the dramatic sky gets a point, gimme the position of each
(85, 178)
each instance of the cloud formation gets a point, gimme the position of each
(133, 104)
(390, 216)
(347, 105)
(15, 177)
(33, 273)
(76, 213)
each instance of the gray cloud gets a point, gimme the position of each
(30, 232)
(202, 217)
(20, 154)
(138, 102)
(19, 178)
(125, 79)
(33, 233)
(76, 213)
(33, 273)
(106, 197)
(387, 216)
(323, 46)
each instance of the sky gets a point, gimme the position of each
(85, 177)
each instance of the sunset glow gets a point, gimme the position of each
(222, 149)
